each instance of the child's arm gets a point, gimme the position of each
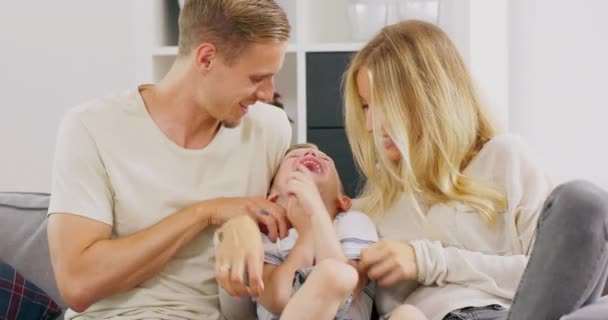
(278, 279)
(302, 188)
(326, 241)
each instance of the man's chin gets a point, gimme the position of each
(231, 124)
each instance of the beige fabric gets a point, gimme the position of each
(114, 165)
(461, 261)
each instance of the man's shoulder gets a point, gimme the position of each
(104, 108)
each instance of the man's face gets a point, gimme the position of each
(321, 167)
(229, 90)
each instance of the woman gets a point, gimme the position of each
(460, 207)
(456, 203)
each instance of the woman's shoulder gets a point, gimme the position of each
(505, 144)
(502, 150)
(506, 162)
(505, 159)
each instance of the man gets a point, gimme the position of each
(141, 179)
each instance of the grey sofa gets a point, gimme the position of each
(23, 244)
(23, 241)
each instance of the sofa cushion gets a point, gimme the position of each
(23, 239)
(21, 299)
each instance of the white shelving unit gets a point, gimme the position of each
(323, 26)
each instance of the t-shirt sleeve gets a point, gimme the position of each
(80, 183)
(356, 232)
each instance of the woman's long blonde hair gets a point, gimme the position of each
(423, 97)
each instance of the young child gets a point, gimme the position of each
(316, 262)
(325, 241)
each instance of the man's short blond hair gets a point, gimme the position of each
(231, 25)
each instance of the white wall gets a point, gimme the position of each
(488, 50)
(558, 87)
(479, 29)
(55, 55)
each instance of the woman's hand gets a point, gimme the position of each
(389, 262)
(240, 250)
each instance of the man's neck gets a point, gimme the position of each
(174, 110)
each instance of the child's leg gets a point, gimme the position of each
(329, 284)
(407, 312)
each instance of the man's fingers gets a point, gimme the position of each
(271, 211)
(279, 215)
(269, 221)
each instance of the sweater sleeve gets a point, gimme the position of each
(526, 189)
(495, 274)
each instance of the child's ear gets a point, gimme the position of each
(273, 196)
(344, 203)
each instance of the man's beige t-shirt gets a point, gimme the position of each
(113, 164)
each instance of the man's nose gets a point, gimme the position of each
(310, 153)
(265, 92)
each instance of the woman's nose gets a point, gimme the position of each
(310, 153)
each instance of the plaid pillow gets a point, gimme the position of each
(21, 299)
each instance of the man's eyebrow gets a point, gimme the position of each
(262, 75)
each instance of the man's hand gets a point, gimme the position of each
(261, 210)
(240, 250)
(389, 262)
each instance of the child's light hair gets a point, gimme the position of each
(306, 145)
(424, 98)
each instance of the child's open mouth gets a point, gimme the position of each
(312, 164)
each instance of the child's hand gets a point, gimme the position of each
(302, 186)
(298, 216)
